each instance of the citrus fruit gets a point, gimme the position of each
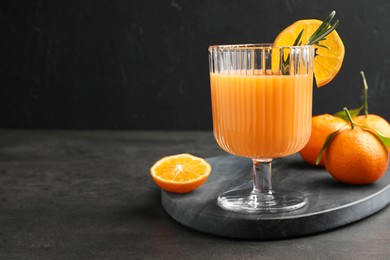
(356, 156)
(374, 121)
(322, 126)
(327, 61)
(180, 173)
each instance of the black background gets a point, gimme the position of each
(143, 64)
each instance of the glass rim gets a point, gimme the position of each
(251, 46)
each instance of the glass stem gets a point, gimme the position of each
(262, 176)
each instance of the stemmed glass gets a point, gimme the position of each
(262, 108)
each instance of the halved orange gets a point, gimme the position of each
(327, 62)
(180, 173)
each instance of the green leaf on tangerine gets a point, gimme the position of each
(325, 145)
(354, 113)
(385, 140)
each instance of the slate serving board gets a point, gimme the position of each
(330, 204)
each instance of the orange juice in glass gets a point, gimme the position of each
(261, 105)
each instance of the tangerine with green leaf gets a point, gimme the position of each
(370, 120)
(356, 156)
(374, 121)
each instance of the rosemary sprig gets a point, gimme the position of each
(323, 30)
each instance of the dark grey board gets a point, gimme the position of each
(330, 204)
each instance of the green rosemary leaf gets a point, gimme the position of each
(325, 24)
(322, 46)
(298, 39)
(331, 16)
(323, 34)
(319, 30)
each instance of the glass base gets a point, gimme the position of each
(250, 201)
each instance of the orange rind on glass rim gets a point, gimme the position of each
(329, 51)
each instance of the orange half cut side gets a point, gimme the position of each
(180, 173)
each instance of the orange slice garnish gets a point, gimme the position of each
(327, 62)
(180, 173)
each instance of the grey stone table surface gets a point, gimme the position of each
(89, 195)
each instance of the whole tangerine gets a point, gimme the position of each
(356, 156)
